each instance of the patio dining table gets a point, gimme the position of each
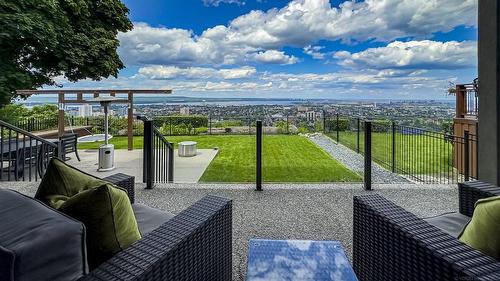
(16, 151)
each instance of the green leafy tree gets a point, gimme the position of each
(282, 127)
(43, 111)
(13, 112)
(44, 39)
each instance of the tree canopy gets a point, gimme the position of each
(13, 113)
(41, 40)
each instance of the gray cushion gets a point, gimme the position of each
(451, 223)
(37, 242)
(148, 219)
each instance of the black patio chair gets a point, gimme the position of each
(390, 243)
(69, 145)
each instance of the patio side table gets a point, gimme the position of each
(276, 260)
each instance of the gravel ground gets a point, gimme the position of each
(289, 211)
(355, 161)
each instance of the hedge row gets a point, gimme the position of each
(194, 121)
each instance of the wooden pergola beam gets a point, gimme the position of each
(95, 93)
(92, 91)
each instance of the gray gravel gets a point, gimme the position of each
(289, 211)
(355, 161)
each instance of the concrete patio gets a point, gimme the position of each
(186, 169)
(288, 211)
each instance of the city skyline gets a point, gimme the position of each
(301, 49)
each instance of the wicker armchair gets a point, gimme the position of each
(391, 243)
(194, 245)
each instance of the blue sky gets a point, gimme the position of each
(398, 49)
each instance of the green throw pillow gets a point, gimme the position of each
(62, 181)
(482, 232)
(109, 221)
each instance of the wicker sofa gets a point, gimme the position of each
(196, 244)
(390, 243)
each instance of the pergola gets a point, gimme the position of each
(63, 100)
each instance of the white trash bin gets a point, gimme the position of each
(187, 149)
(106, 157)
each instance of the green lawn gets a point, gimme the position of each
(416, 153)
(285, 159)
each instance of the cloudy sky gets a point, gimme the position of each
(399, 49)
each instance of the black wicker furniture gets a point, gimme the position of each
(196, 244)
(390, 243)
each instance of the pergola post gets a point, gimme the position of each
(130, 113)
(60, 117)
(489, 89)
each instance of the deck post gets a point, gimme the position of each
(466, 156)
(258, 174)
(489, 89)
(368, 155)
(393, 128)
(148, 160)
(130, 125)
(60, 117)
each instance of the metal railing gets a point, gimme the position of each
(158, 155)
(467, 99)
(420, 155)
(37, 124)
(24, 156)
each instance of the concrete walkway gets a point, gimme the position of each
(186, 169)
(288, 211)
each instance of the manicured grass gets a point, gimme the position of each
(416, 153)
(119, 142)
(285, 159)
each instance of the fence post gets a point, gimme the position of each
(258, 142)
(148, 161)
(338, 128)
(368, 155)
(170, 178)
(476, 151)
(393, 125)
(170, 124)
(466, 156)
(357, 144)
(324, 121)
(209, 124)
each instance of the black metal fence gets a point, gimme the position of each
(93, 124)
(158, 157)
(24, 156)
(418, 154)
(37, 124)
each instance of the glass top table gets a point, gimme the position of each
(276, 260)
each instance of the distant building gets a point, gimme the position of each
(312, 116)
(184, 110)
(85, 110)
(302, 109)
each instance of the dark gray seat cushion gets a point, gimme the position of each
(148, 219)
(451, 223)
(37, 242)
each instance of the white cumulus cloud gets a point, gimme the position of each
(424, 54)
(314, 51)
(217, 2)
(273, 57)
(161, 72)
(299, 24)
